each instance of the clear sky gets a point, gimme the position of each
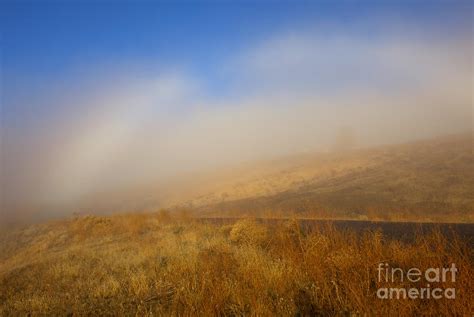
(50, 43)
(92, 89)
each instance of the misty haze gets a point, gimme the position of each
(238, 158)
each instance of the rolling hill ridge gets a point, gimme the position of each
(429, 180)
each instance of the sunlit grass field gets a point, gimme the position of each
(429, 181)
(160, 265)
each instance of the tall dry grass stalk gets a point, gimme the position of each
(158, 265)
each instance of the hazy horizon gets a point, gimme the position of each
(94, 101)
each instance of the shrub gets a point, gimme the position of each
(248, 231)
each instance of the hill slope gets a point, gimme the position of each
(425, 180)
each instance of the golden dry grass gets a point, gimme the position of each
(429, 181)
(153, 264)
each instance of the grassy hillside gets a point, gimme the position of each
(163, 264)
(154, 265)
(429, 180)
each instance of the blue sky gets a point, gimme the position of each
(44, 40)
(55, 45)
(105, 93)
